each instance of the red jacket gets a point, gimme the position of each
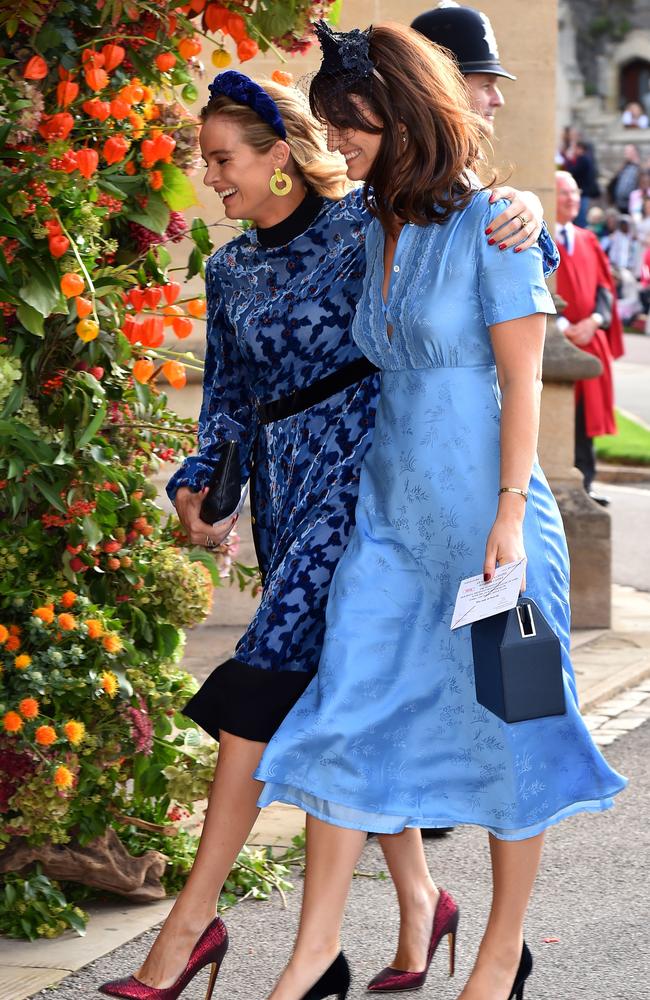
(578, 278)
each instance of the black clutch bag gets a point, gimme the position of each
(224, 488)
(518, 664)
(604, 305)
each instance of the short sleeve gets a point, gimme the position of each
(550, 253)
(228, 412)
(511, 285)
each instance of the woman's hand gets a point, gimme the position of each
(505, 544)
(507, 230)
(188, 505)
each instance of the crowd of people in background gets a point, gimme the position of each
(618, 213)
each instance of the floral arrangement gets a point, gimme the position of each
(97, 585)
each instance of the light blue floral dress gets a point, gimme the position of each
(389, 733)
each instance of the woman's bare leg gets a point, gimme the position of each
(332, 854)
(232, 811)
(417, 896)
(514, 868)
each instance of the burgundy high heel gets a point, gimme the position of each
(209, 949)
(445, 922)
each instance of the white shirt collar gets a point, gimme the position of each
(570, 236)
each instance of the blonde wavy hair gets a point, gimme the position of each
(323, 172)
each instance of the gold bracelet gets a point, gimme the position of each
(514, 489)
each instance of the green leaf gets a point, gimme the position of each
(48, 492)
(39, 292)
(92, 531)
(201, 236)
(92, 427)
(31, 319)
(177, 190)
(76, 922)
(154, 217)
(194, 263)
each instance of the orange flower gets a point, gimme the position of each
(113, 55)
(196, 307)
(96, 78)
(13, 643)
(74, 731)
(36, 69)
(45, 736)
(12, 723)
(22, 662)
(67, 622)
(130, 168)
(87, 162)
(15, 630)
(66, 92)
(281, 77)
(4, 634)
(112, 643)
(115, 149)
(63, 777)
(143, 370)
(83, 306)
(28, 708)
(165, 61)
(174, 371)
(247, 49)
(156, 180)
(68, 599)
(71, 284)
(57, 126)
(109, 683)
(45, 613)
(95, 628)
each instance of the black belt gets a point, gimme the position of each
(318, 392)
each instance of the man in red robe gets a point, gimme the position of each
(584, 269)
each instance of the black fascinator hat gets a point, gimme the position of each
(347, 68)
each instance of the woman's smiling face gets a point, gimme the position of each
(237, 172)
(359, 148)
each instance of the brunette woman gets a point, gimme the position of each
(284, 378)
(389, 734)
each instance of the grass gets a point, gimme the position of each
(631, 446)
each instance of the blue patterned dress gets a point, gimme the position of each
(280, 308)
(389, 733)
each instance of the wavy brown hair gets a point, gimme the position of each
(323, 172)
(420, 89)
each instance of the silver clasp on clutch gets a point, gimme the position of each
(527, 627)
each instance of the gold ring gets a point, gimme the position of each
(523, 220)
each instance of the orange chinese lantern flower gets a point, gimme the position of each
(152, 332)
(87, 330)
(196, 308)
(100, 110)
(216, 17)
(120, 109)
(170, 313)
(28, 708)
(22, 662)
(35, 69)
(96, 78)
(156, 180)
(12, 723)
(182, 326)
(151, 297)
(45, 613)
(189, 47)
(68, 599)
(165, 146)
(63, 777)
(92, 58)
(175, 374)
(165, 61)
(83, 306)
(130, 168)
(57, 126)
(115, 149)
(247, 49)
(87, 162)
(197, 5)
(66, 93)
(71, 285)
(171, 291)
(113, 56)
(137, 124)
(136, 297)
(281, 77)
(45, 736)
(67, 622)
(237, 27)
(143, 370)
(58, 245)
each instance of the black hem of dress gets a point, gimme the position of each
(245, 701)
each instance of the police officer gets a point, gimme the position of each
(469, 36)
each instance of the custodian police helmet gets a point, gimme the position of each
(465, 32)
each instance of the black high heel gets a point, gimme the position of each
(335, 981)
(523, 972)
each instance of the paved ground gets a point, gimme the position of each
(632, 377)
(592, 895)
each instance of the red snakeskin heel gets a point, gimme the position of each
(209, 949)
(445, 922)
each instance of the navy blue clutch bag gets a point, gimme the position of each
(518, 664)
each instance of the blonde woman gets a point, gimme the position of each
(284, 378)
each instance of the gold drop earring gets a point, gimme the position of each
(280, 178)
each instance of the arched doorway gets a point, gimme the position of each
(634, 81)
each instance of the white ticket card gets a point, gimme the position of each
(477, 599)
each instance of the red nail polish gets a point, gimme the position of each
(502, 246)
(517, 249)
(488, 231)
(491, 242)
(487, 577)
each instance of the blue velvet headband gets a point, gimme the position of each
(242, 89)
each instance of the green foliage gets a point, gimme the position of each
(33, 906)
(631, 446)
